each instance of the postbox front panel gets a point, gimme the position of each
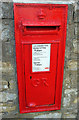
(40, 78)
(40, 34)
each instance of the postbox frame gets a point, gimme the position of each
(20, 66)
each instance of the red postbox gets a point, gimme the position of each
(40, 35)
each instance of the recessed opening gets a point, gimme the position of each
(41, 28)
(30, 77)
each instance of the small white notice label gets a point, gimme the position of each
(40, 57)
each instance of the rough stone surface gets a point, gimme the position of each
(8, 30)
(50, 115)
(7, 10)
(3, 85)
(9, 105)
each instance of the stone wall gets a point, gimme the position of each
(9, 107)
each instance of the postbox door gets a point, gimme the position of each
(40, 77)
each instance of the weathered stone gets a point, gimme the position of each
(0, 64)
(70, 14)
(8, 52)
(50, 115)
(6, 0)
(1, 116)
(12, 84)
(7, 30)
(7, 97)
(7, 10)
(0, 26)
(70, 54)
(68, 91)
(0, 109)
(76, 100)
(70, 32)
(69, 97)
(8, 109)
(75, 46)
(45, 1)
(3, 85)
(0, 51)
(8, 76)
(66, 101)
(72, 65)
(68, 115)
(70, 79)
(7, 67)
(76, 16)
(73, 79)
(0, 96)
(78, 31)
(0, 9)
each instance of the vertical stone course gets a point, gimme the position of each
(7, 10)
(9, 105)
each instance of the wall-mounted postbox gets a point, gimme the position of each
(40, 34)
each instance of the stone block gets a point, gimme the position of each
(78, 30)
(50, 115)
(75, 45)
(5, 96)
(70, 79)
(1, 116)
(7, 10)
(69, 101)
(71, 53)
(72, 65)
(70, 14)
(7, 67)
(12, 85)
(70, 32)
(76, 16)
(8, 109)
(8, 52)
(0, 96)
(0, 10)
(0, 51)
(69, 116)
(9, 76)
(3, 85)
(7, 30)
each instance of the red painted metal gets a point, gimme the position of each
(40, 24)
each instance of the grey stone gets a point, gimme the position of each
(72, 65)
(50, 115)
(0, 10)
(7, 67)
(3, 85)
(7, 9)
(70, 79)
(7, 30)
(70, 14)
(76, 16)
(7, 97)
(70, 116)
(78, 30)
(70, 32)
(8, 52)
(75, 46)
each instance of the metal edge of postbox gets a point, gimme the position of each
(20, 65)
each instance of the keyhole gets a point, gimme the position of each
(30, 77)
